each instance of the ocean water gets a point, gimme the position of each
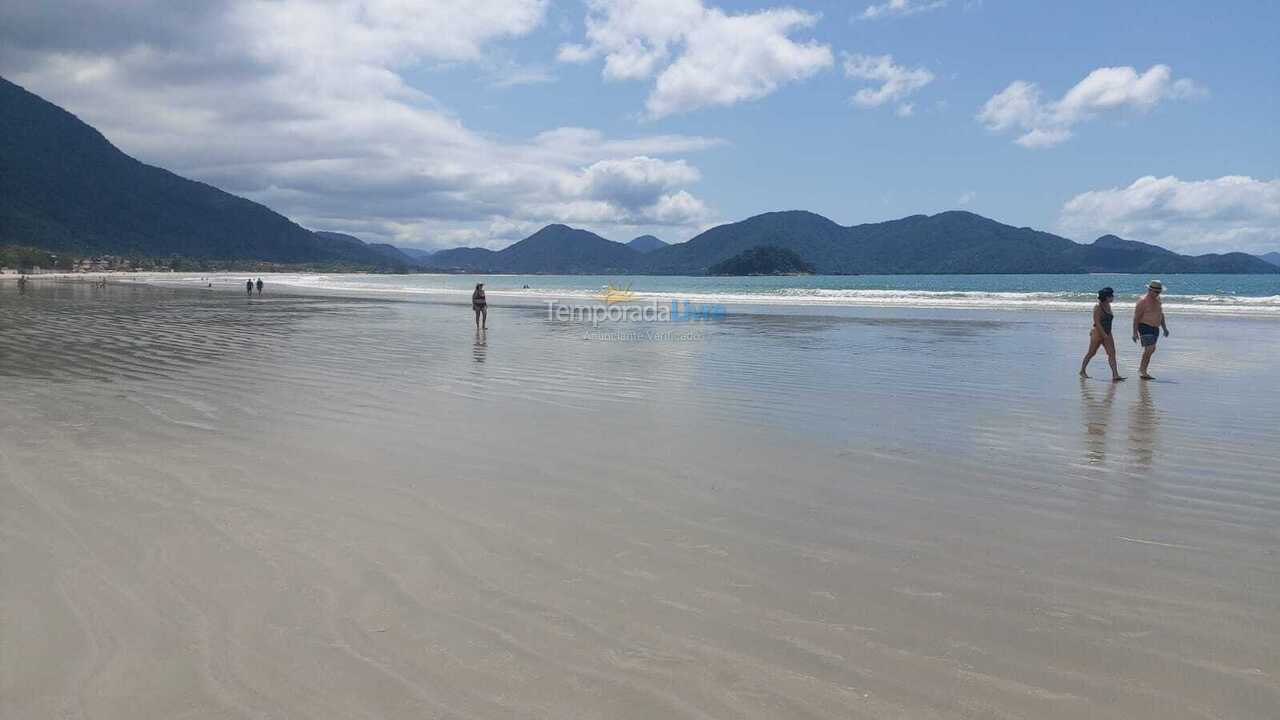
(1216, 294)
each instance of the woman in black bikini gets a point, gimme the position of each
(1100, 336)
(480, 306)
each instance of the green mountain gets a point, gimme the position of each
(343, 244)
(815, 238)
(556, 249)
(951, 242)
(646, 243)
(762, 260)
(471, 259)
(1112, 254)
(64, 187)
(422, 256)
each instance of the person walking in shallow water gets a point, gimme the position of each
(1148, 321)
(1100, 335)
(248, 288)
(480, 306)
(259, 287)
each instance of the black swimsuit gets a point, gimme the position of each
(1106, 322)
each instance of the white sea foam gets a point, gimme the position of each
(440, 286)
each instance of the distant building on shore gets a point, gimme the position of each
(101, 263)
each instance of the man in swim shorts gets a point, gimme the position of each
(1148, 321)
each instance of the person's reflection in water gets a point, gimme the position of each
(1097, 415)
(1143, 422)
(480, 347)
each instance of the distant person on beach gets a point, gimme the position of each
(1148, 321)
(480, 306)
(259, 286)
(248, 287)
(1100, 335)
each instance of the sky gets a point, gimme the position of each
(434, 124)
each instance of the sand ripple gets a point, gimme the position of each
(352, 508)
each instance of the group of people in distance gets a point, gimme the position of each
(1148, 322)
(249, 286)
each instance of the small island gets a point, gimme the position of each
(763, 260)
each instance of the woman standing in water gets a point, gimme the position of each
(1101, 334)
(480, 306)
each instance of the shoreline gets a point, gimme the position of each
(804, 299)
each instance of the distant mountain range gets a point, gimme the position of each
(1271, 257)
(946, 243)
(556, 249)
(416, 254)
(65, 188)
(350, 245)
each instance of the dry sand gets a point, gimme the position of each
(322, 508)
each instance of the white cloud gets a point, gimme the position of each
(304, 105)
(897, 82)
(892, 8)
(634, 181)
(506, 73)
(574, 53)
(966, 199)
(637, 191)
(678, 208)
(381, 32)
(1021, 107)
(700, 56)
(1193, 216)
(1043, 137)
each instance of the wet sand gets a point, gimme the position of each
(319, 507)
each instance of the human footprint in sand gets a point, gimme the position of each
(1148, 321)
(1100, 335)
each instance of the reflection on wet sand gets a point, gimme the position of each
(1143, 425)
(297, 508)
(1097, 415)
(137, 331)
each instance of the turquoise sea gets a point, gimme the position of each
(1229, 294)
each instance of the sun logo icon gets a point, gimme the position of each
(616, 294)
